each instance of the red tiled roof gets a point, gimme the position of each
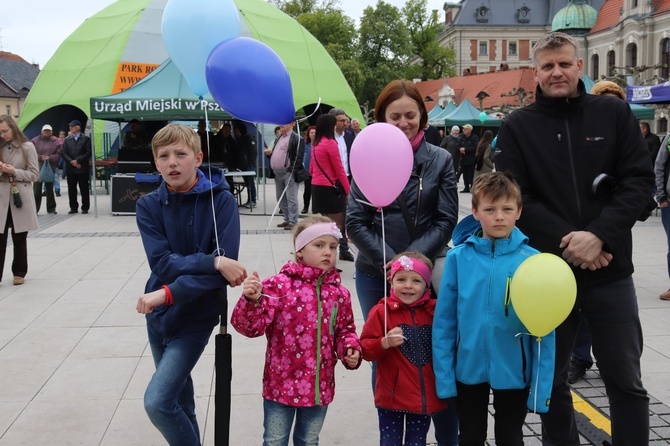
(11, 56)
(662, 7)
(494, 84)
(608, 16)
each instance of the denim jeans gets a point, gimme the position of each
(611, 313)
(279, 419)
(370, 290)
(169, 399)
(289, 202)
(665, 218)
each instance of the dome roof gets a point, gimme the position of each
(576, 18)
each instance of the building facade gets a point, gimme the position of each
(16, 79)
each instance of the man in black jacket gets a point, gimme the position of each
(77, 153)
(468, 150)
(556, 147)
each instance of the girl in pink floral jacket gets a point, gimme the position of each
(305, 313)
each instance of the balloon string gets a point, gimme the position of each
(384, 272)
(211, 183)
(316, 109)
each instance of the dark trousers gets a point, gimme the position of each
(468, 175)
(307, 194)
(611, 313)
(250, 183)
(370, 289)
(20, 243)
(582, 349)
(510, 412)
(81, 180)
(393, 425)
(51, 199)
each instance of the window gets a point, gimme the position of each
(631, 55)
(512, 49)
(611, 62)
(665, 59)
(8, 110)
(483, 48)
(595, 61)
(662, 125)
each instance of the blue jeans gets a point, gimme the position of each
(279, 419)
(665, 219)
(169, 399)
(611, 312)
(370, 290)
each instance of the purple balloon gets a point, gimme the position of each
(249, 81)
(381, 162)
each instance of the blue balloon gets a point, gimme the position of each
(192, 29)
(249, 81)
(482, 117)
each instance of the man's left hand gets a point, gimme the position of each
(582, 248)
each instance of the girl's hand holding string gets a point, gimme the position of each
(393, 338)
(252, 287)
(352, 357)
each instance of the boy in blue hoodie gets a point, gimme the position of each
(479, 343)
(190, 229)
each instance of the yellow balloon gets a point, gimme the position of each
(543, 293)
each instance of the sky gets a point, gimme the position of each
(34, 29)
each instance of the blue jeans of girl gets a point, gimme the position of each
(392, 425)
(169, 399)
(279, 418)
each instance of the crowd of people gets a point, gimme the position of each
(438, 349)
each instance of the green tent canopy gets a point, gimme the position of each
(438, 119)
(466, 113)
(127, 35)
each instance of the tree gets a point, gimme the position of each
(335, 31)
(383, 50)
(431, 60)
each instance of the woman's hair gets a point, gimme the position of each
(309, 221)
(176, 134)
(487, 137)
(495, 185)
(414, 255)
(396, 90)
(307, 140)
(325, 128)
(16, 133)
(601, 88)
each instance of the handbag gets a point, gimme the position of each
(339, 189)
(46, 173)
(300, 174)
(15, 193)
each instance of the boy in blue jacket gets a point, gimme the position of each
(479, 343)
(190, 229)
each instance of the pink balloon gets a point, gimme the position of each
(381, 162)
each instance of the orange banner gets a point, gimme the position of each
(130, 73)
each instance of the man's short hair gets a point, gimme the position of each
(495, 185)
(554, 41)
(176, 134)
(336, 112)
(354, 121)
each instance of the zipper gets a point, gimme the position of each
(333, 318)
(523, 360)
(507, 295)
(572, 170)
(417, 347)
(418, 198)
(317, 375)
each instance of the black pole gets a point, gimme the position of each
(223, 363)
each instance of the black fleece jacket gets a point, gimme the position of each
(556, 148)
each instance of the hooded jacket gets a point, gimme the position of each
(432, 204)
(555, 149)
(177, 231)
(306, 316)
(477, 336)
(405, 380)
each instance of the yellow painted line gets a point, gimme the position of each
(594, 415)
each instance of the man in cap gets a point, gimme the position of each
(469, 143)
(48, 151)
(77, 153)
(452, 143)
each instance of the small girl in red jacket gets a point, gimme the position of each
(397, 334)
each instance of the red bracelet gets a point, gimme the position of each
(168, 295)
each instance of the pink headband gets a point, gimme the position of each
(315, 231)
(408, 264)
